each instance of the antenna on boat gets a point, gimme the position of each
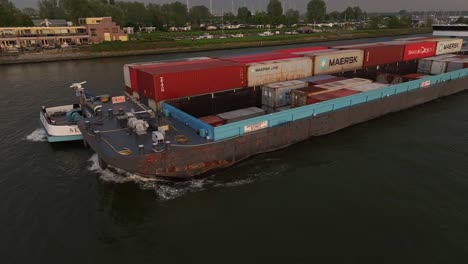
(80, 93)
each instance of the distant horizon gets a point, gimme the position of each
(370, 6)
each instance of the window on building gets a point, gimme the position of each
(93, 32)
(106, 30)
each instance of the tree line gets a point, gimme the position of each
(177, 14)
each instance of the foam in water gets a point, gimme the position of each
(165, 190)
(38, 135)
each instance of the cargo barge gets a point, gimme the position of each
(181, 119)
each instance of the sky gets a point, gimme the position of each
(332, 5)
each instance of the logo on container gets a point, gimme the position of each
(161, 82)
(422, 50)
(323, 63)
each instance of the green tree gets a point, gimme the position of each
(292, 17)
(334, 16)
(174, 14)
(228, 17)
(375, 21)
(260, 18)
(316, 10)
(153, 16)
(274, 11)
(244, 15)
(357, 13)
(394, 22)
(10, 16)
(51, 9)
(348, 14)
(199, 13)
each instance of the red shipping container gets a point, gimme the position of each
(320, 98)
(328, 80)
(303, 49)
(137, 71)
(129, 90)
(343, 92)
(177, 80)
(413, 76)
(213, 120)
(418, 50)
(245, 59)
(379, 54)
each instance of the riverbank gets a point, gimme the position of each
(116, 49)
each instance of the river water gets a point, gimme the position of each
(391, 190)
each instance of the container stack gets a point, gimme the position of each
(377, 53)
(278, 95)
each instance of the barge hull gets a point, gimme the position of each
(187, 161)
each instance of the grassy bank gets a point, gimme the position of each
(164, 43)
(167, 45)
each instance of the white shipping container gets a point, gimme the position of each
(279, 94)
(126, 73)
(337, 61)
(440, 66)
(278, 71)
(424, 65)
(447, 45)
(457, 65)
(367, 87)
(241, 114)
(345, 83)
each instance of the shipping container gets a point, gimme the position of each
(278, 71)
(418, 50)
(440, 66)
(213, 120)
(303, 53)
(177, 80)
(313, 79)
(337, 61)
(424, 65)
(343, 92)
(129, 70)
(345, 83)
(279, 94)
(378, 54)
(413, 76)
(368, 87)
(262, 57)
(447, 45)
(241, 114)
(129, 91)
(299, 96)
(313, 99)
(335, 79)
(457, 65)
(387, 78)
(303, 49)
(330, 95)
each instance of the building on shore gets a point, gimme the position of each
(103, 29)
(53, 33)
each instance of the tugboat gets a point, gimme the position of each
(60, 122)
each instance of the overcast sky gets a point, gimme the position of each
(332, 5)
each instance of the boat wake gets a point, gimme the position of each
(164, 189)
(38, 135)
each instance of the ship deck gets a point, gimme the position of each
(107, 129)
